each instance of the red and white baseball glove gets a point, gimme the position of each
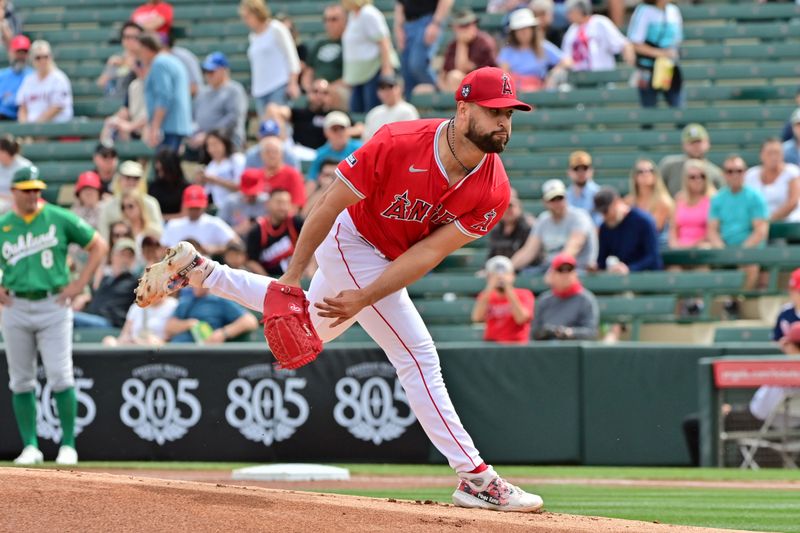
(287, 326)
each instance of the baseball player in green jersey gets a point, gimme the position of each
(36, 294)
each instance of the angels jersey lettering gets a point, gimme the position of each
(406, 194)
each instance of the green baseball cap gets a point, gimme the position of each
(27, 179)
(694, 132)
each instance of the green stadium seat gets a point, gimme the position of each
(74, 128)
(632, 139)
(785, 231)
(83, 335)
(751, 30)
(739, 11)
(81, 150)
(600, 98)
(553, 119)
(763, 52)
(704, 73)
(743, 334)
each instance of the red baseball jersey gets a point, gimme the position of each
(406, 194)
(500, 324)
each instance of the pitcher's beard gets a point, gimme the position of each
(486, 143)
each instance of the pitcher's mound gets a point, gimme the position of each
(57, 500)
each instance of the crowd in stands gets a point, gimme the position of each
(316, 103)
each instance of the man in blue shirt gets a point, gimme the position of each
(167, 96)
(12, 76)
(339, 144)
(197, 307)
(738, 216)
(581, 192)
(628, 240)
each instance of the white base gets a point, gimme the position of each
(292, 472)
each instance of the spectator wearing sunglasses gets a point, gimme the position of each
(46, 94)
(648, 193)
(559, 229)
(696, 144)
(506, 310)
(628, 241)
(567, 311)
(129, 179)
(688, 227)
(581, 192)
(738, 216)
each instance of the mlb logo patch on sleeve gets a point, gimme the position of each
(351, 160)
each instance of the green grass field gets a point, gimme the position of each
(736, 508)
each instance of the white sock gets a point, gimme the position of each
(241, 286)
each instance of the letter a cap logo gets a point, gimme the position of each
(490, 87)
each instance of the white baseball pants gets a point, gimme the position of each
(347, 261)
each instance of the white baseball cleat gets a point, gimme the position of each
(182, 266)
(30, 456)
(67, 456)
(487, 490)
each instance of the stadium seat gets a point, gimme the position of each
(743, 334)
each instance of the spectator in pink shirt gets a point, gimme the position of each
(689, 223)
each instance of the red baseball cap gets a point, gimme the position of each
(490, 87)
(88, 179)
(20, 42)
(562, 259)
(195, 196)
(252, 182)
(794, 280)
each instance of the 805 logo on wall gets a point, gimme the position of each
(159, 405)
(372, 404)
(266, 403)
(47, 424)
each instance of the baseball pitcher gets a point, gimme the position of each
(416, 192)
(36, 294)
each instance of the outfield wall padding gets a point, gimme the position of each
(580, 403)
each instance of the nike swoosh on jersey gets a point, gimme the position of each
(412, 169)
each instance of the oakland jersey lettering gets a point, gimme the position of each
(33, 253)
(29, 244)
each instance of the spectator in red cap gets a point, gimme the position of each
(567, 311)
(11, 77)
(506, 310)
(154, 16)
(791, 311)
(210, 231)
(242, 209)
(88, 190)
(87, 205)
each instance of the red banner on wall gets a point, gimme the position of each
(754, 373)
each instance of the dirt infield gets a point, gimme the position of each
(58, 500)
